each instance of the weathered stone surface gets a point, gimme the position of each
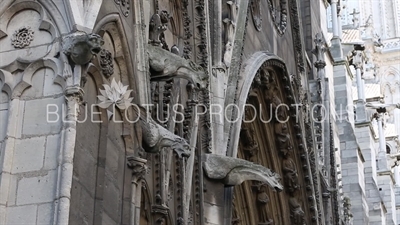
(38, 189)
(21, 214)
(45, 213)
(28, 155)
(52, 151)
(36, 119)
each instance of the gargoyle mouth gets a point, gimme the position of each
(182, 151)
(96, 50)
(278, 189)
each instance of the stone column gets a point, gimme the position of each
(78, 49)
(339, 19)
(382, 142)
(397, 175)
(73, 96)
(357, 62)
(138, 166)
(335, 28)
(336, 48)
(382, 161)
(358, 65)
(319, 51)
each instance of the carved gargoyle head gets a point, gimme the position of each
(81, 47)
(95, 43)
(181, 147)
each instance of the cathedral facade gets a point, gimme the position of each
(178, 112)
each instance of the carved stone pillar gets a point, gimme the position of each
(138, 166)
(320, 105)
(358, 60)
(397, 175)
(73, 96)
(335, 30)
(319, 51)
(381, 159)
(78, 49)
(339, 19)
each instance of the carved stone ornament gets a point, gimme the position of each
(256, 14)
(81, 47)
(230, 30)
(296, 212)
(165, 65)
(279, 14)
(358, 59)
(234, 171)
(106, 63)
(319, 51)
(125, 6)
(138, 166)
(262, 200)
(158, 24)
(155, 137)
(22, 37)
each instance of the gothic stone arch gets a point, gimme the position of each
(274, 140)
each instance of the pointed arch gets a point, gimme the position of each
(247, 74)
(113, 25)
(273, 140)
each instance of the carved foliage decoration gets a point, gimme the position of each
(297, 37)
(22, 37)
(256, 13)
(106, 63)
(279, 14)
(187, 49)
(124, 6)
(200, 33)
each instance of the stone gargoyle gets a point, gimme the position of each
(81, 47)
(234, 171)
(165, 65)
(155, 137)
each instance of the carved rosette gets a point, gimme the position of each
(124, 6)
(279, 14)
(22, 37)
(106, 63)
(256, 14)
